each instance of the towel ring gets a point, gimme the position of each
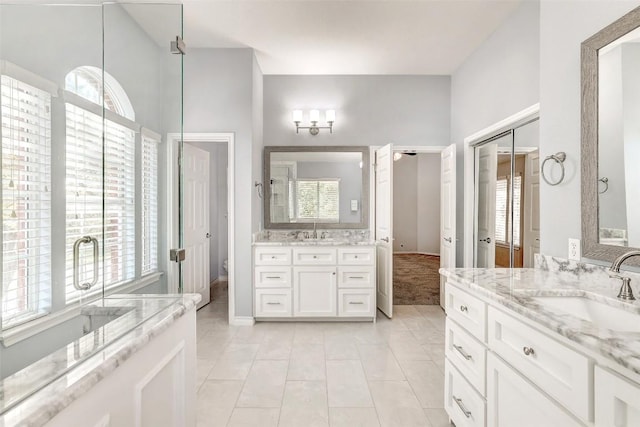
(559, 158)
(605, 181)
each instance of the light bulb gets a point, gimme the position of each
(330, 116)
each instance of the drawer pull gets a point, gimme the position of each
(528, 351)
(356, 257)
(356, 302)
(315, 256)
(464, 354)
(464, 308)
(273, 257)
(356, 277)
(273, 303)
(273, 277)
(464, 410)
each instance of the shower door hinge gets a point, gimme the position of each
(178, 47)
(177, 255)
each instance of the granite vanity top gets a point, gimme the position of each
(34, 395)
(315, 242)
(515, 289)
(304, 238)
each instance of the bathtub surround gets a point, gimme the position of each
(36, 394)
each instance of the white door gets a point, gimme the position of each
(513, 401)
(486, 179)
(315, 291)
(195, 267)
(384, 229)
(531, 238)
(447, 212)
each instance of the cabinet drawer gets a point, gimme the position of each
(356, 256)
(272, 256)
(353, 302)
(563, 373)
(356, 277)
(273, 302)
(617, 400)
(467, 354)
(465, 406)
(314, 256)
(467, 310)
(272, 277)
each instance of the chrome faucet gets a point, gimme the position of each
(315, 232)
(625, 293)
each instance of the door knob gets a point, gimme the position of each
(208, 235)
(488, 240)
(447, 239)
(385, 239)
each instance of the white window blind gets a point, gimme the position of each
(149, 205)
(502, 211)
(84, 166)
(119, 204)
(517, 197)
(26, 201)
(317, 200)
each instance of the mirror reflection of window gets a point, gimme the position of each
(318, 200)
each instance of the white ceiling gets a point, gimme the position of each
(343, 37)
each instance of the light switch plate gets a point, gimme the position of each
(574, 250)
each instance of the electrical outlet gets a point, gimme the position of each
(574, 249)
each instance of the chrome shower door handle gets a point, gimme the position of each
(76, 263)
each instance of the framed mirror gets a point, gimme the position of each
(323, 187)
(611, 140)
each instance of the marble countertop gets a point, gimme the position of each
(34, 395)
(315, 242)
(515, 289)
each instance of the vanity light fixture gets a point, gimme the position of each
(314, 118)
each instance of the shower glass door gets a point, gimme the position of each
(89, 95)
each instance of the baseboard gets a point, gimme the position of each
(242, 321)
(416, 252)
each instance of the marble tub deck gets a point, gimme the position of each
(34, 395)
(516, 288)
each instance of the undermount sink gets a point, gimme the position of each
(602, 315)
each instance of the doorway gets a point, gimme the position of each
(416, 228)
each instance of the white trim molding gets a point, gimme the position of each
(242, 321)
(213, 137)
(513, 121)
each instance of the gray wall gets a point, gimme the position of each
(350, 176)
(496, 81)
(370, 110)
(219, 96)
(218, 225)
(416, 204)
(563, 26)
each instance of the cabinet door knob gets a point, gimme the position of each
(528, 351)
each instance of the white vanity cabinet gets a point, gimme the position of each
(315, 281)
(501, 372)
(617, 400)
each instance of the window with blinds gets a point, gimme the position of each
(317, 200)
(502, 209)
(149, 205)
(26, 201)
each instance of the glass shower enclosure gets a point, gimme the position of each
(91, 115)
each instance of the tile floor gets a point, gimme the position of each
(389, 373)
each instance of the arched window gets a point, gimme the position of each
(86, 81)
